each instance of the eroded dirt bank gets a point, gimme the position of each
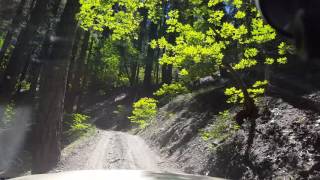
(286, 139)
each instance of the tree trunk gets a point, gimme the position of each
(35, 70)
(223, 72)
(157, 73)
(47, 132)
(42, 13)
(14, 26)
(6, 45)
(86, 73)
(167, 68)
(150, 57)
(163, 73)
(167, 73)
(77, 80)
(22, 77)
(45, 48)
(73, 66)
(133, 73)
(250, 109)
(137, 74)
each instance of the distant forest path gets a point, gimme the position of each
(112, 150)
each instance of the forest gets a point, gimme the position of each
(220, 57)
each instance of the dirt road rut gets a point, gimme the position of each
(113, 150)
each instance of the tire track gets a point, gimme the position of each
(114, 150)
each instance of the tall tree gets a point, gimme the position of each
(72, 68)
(77, 79)
(166, 73)
(150, 56)
(16, 22)
(41, 50)
(47, 132)
(42, 13)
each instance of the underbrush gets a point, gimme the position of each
(168, 92)
(79, 126)
(8, 117)
(143, 112)
(222, 128)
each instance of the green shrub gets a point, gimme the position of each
(236, 95)
(222, 128)
(8, 117)
(79, 124)
(122, 81)
(171, 90)
(3, 63)
(143, 112)
(1, 41)
(23, 85)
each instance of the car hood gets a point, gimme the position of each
(114, 175)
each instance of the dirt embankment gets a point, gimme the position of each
(286, 140)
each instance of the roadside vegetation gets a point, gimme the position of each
(79, 125)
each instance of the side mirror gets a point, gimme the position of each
(280, 14)
(297, 20)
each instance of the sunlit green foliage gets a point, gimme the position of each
(218, 41)
(240, 15)
(261, 32)
(120, 16)
(1, 41)
(211, 44)
(236, 95)
(282, 60)
(120, 47)
(269, 61)
(109, 61)
(155, 9)
(79, 124)
(8, 116)
(106, 63)
(222, 128)
(171, 90)
(282, 48)
(24, 85)
(3, 63)
(245, 63)
(143, 112)
(216, 17)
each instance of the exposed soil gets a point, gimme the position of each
(286, 145)
(286, 139)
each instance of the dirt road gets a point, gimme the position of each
(113, 150)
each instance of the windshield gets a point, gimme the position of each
(200, 87)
